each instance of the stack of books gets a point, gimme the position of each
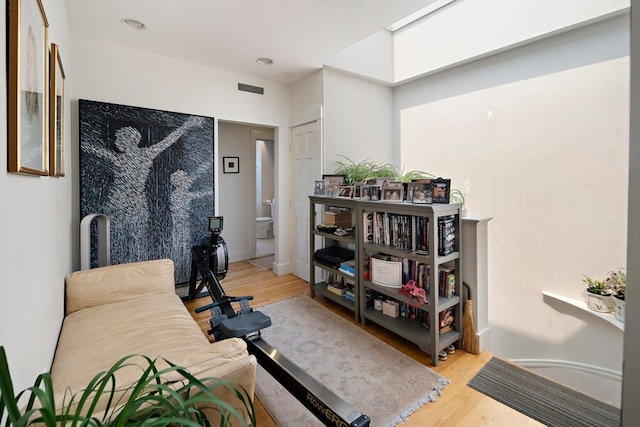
(337, 288)
(348, 267)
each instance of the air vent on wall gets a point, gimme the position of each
(243, 87)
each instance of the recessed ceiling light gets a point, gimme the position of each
(264, 61)
(133, 23)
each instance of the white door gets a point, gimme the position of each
(305, 168)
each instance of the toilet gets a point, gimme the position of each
(264, 227)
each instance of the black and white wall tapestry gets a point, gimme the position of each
(151, 173)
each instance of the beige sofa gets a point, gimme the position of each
(132, 308)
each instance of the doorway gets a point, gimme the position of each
(265, 197)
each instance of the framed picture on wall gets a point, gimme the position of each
(56, 113)
(28, 88)
(231, 165)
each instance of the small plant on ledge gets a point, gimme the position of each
(599, 294)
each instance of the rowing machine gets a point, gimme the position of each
(246, 323)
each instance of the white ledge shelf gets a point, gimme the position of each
(578, 303)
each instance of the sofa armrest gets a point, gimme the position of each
(104, 285)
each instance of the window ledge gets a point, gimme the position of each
(578, 303)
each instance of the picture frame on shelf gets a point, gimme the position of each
(420, 193)
(384, 181)
(320, 187)
(346, 191)
(365, 192)
(374, 192)
(393, 194)
(334, 179)
(332, 189)
(56, 113)
(231, 165)
(441, 188)
(28, 88)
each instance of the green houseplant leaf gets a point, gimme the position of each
(152, 400)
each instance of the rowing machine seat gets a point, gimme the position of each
(244, 324)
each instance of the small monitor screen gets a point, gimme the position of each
(215, 223)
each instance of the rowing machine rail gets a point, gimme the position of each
(330, 409)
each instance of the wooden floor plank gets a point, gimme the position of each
(459, 405)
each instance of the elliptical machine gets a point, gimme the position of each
(246, 323)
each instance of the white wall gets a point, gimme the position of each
(35, 239)
(455, 34)
(537, 138)
(117, 74)
(358, 121)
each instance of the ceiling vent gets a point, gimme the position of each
(243, 87)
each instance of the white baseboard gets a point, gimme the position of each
(601, 383)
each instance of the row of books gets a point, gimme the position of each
(409, 232)
(400, 231)
(446, 318)
(419, 272)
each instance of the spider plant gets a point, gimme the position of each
(369, 169)
(153, 400)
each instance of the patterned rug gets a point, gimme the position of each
(371, 376)
(540, 398)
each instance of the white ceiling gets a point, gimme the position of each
(231, 34)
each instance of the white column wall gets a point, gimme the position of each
(358, 121)
(537, 138)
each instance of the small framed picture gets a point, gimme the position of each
(332, 189)
(346, 191)
(441, 188)
(365, 192)
(420, 193)
(392, 194)
(320, 187)
(383, 182)
(374, 192)
(334, 179)
(231, 165)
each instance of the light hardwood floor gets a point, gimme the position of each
(459, 405)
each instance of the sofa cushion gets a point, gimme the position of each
(103, 285)
(95, 338)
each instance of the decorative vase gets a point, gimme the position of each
(619, 309)
(599, 303)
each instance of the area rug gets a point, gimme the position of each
(374, 378)
(263, 263)
(540, 398)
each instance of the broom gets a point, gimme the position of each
(469, 341)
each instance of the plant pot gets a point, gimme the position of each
(619, 309)
(599, 303)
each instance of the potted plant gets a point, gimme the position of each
(598, 295)
(617, 280)
(161, 396)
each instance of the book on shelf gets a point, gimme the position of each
(337, 288)
(446, 235)
(446, 281)
(350, 295)
(367, 227)
(348, 267)
(366, 268)
(446, 318)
